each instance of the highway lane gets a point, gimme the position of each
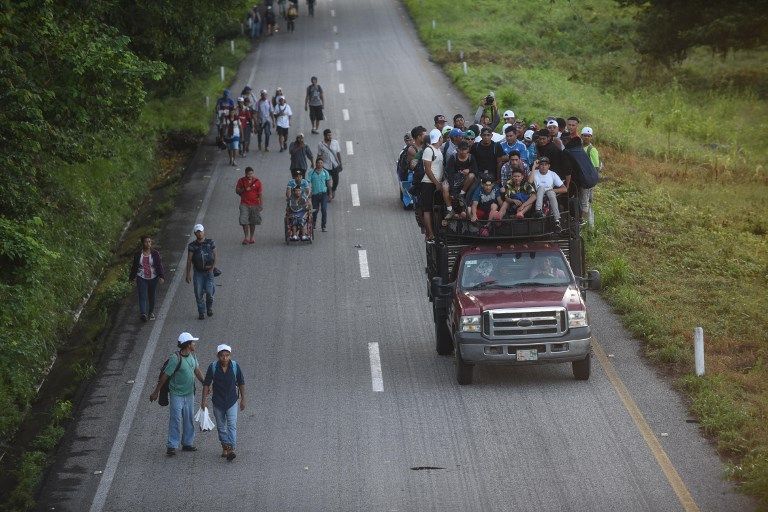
(316, 435)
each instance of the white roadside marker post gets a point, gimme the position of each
(464, 65)
(222, 73)
(232, 46)
(449, 46)
(698, 350)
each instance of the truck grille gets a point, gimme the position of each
(524, 323)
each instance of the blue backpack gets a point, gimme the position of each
(214, 366)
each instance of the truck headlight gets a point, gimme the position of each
(577, 319)
(470, 324)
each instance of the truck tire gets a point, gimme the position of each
(464, 371)
(443, 341)
(581, 369)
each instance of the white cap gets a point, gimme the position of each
(434, 136)
(586, 130)
(509, 113)
(186, 337)
(223, 347)
(552, 122)
(528, 135)
(198, 227)
(504, 128)
(240, 98)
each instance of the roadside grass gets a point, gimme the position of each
(88, 210)
(681, 214)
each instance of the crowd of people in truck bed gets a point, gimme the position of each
(480, 174)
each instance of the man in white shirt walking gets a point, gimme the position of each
(283, 115)
(330, 151)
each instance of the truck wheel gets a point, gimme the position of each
(443, 341)
(464, 371)
(581, 369)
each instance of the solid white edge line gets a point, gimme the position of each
(362, 257)
(338, 65)
(341, 88)
(350, 148)
(140, 381)
(345, 114)
(355, 195)
(377, 380)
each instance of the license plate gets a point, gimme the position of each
(527, 354)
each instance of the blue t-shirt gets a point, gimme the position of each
(484, 201)
(225, 384)
(304, 186)
(318, 180)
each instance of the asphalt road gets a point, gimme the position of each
(321, 432)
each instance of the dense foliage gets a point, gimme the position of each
(669, 29)
(76, 153)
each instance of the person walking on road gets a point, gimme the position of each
(249, 189)
(180, 373)
(226, 377)
(147, 269)
(283, 115)
(201, 260)
(330, 151)
(265, 119)
(314, 101)
(291, 14)
(319, 182)
(300, 154)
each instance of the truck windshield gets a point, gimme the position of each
(513, 270)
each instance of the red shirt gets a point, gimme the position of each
(250, 197)
(244, 115)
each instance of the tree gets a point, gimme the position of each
(669, 29)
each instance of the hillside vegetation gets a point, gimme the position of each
(681, 210)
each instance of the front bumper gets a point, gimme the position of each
(573, 346)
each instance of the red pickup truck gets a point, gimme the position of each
(513, 296)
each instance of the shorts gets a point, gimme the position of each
(282, 131)
(250, 215)
(298, 219)
(427, 196)
(234, 143)
(316, 113)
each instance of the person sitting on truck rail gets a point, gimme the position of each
(548, 184)
(520, 195)
(486, 201)
(460, 172)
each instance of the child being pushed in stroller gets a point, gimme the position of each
(297, 213)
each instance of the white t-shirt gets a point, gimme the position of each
(437, 164)
(282, 114)
(547, 181)
(328, 152)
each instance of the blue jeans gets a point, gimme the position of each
(266, 129)
(320, 200)
(226, 424)
(147, 290)
(204, 289)
(181, 426)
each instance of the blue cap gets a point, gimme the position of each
(226, 93)
(456, 132)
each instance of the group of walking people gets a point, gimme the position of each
(262, 18)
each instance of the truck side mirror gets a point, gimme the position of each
(439, 288)
(593, 278)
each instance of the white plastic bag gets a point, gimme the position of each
(202, 417)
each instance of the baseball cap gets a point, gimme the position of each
(543, 160)
(456, 132)
(185, 337)
(223, 346)
(469, 134)
(434, 136)
(586, 130)
(240, 99)
(446, 130)
(509, 113)
(551, 122)
(198, 227)
(226, 93)
(528, 135)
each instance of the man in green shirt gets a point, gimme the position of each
(180, 372)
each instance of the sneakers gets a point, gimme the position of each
(209, 312)
(189, 448)
(266, 150)
(294, 238)
(231, 455)
(151, 316)
(201, 316)
(557, 225)
(143, 317)
(170, 452)
(324, 230)
(538, 214)
(449, 215)
(304, 238)
(282, 149)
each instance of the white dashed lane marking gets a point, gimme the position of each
(350, 148)
(377, 380)
(362, 257)
(338, 65)
(341, 88)
(335, 45)
(333, 13)
(335, 29)
(355, 195)
(345, 114)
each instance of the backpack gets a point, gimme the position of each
(583, 172)
(162, 398)
(214, 366)
(402, 164)
(419, 171)
(292, 11)
(202, 257)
